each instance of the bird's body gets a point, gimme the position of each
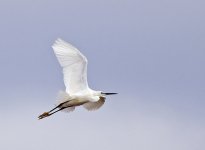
(77, 92)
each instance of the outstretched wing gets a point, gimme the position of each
(74, 65)
(94, 105)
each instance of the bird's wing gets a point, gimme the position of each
(94, 105)
(74, 65)
(68, 109)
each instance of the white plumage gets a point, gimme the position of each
(74, 65)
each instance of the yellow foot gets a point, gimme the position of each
(45, 114)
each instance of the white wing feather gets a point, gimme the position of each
(94, 105)
(74, 65)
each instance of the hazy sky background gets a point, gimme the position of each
(150, 52)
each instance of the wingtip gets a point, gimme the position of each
(57, 42)
(58, 39)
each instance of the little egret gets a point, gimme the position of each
(77, 92)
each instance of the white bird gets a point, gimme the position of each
(77, 92)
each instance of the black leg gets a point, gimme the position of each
(57, 110)
(46, 114)
(58, 106)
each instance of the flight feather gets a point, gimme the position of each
(74, 65)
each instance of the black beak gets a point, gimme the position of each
(109, 93)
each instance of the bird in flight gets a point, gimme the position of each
(77, 92)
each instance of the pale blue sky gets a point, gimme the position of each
(151, 52)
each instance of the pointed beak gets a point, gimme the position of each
(109, 93)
